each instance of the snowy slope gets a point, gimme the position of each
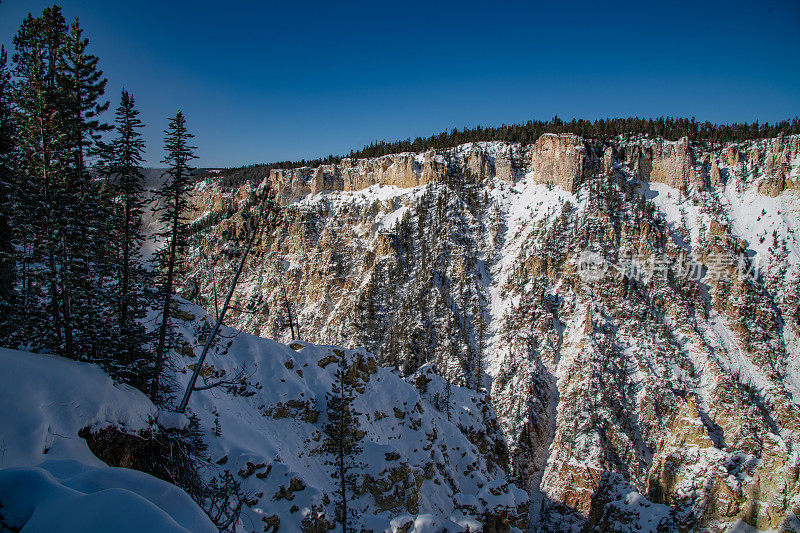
(419, 467)
(425, 466)
(49, 480)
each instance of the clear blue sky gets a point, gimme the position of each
(267, 81)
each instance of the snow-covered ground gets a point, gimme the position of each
(429, 469)
(424, 465)
(50, 480)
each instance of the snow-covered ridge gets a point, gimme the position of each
(433, 456)
(560, 159)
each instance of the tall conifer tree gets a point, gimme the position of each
(173, 197)
(342, 438)
(61, 231)
(87, 263)
(39, 115)
(125, 156)
(7, 255)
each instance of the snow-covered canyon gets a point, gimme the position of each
(671, 368)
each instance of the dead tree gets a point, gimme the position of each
(263, 217)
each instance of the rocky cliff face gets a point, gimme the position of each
(482, 160)
(559, 160)
(630, 308)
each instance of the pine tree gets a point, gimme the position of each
(87, 262)
(84, 84)
(125, 155)
(342, 438)
(62, 225)
(38, 115)
(173, 196)
(7, 255)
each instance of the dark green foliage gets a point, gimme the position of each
(7, 256)
(123, 170)
(173, 203)
(61, 215)
(342, 438)
(36, 99)
(84, 85)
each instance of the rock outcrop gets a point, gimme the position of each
(714, 175)
(554, 159)
(668, 162)
(608, 160)
(400, 170)
(558, 160)
(776, 168)
(672, 163)
(673, 387)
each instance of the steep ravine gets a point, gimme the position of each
(666, 371)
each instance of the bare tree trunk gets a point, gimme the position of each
(343, 489)
(191, 386)
(214, 288)
(55, 308)
(123, 310)
(66, 304)
(162, 332)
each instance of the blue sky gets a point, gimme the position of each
(267, 81)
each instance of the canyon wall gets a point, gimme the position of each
(676, 383)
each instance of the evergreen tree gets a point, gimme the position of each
(173, 197)
(448, 398)
(38, 115)
(84, 85)
(123, 167)
(7, 256)
(61, 227)
(87, 263)
(342, 438)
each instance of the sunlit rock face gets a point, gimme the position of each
(668, 374)
(559, 160)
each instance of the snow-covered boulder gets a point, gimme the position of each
(50, 480)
